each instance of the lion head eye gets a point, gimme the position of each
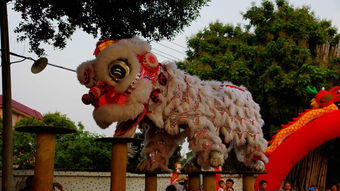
(118, 69)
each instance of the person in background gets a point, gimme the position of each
(181, 183)
(338, 187)
(313, 188)
(333, 187)
(170, 188)
(262, 185)
(287, 186)
(29, 183)
(230, 189)
(221, 185)
(57, 186)
(229, 183)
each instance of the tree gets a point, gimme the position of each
(53, 22)
(281, 51)
(78, 151)
(24, 144)
(82, 153)
(274, 56)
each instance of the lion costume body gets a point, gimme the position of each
(129, 86)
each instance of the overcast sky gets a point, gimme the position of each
(58, 90)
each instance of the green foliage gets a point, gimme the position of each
(24, 144)
(81, 152)
(78, 151)
(176, 157)
(59, 120)
(187, 157)
(53, 22)
(274, 56)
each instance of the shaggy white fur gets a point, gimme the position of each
(215, 117)
(88, 79)
(114, 52)
(107, 114)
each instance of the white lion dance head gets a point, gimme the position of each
(129, 86)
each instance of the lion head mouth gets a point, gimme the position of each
(103, 94)
(128, 116)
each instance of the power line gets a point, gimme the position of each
(169, 58)
(158, 54)
(171, 48)
(178, 45)
(166, 54)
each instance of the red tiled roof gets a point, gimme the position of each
(23, 108)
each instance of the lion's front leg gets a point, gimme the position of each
(207, 146)
(216, 158)
(158, 148)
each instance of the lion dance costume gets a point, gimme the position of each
(129, 86)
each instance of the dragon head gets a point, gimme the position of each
(324, 98)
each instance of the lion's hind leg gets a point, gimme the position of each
(158, 148)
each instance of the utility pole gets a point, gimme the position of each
(7, 131)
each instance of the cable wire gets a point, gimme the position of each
(158, 54)
(171, 48)
(18, 61)
(178, 45)
(174, 57)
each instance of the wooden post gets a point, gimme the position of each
(7, 134)
(118, 161)
(194, 182)
(248, 182)
(150, 182)
(118, 166)
(44, 164)
(45, 152)
(209, 181)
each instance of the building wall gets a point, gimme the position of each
(15, 116)
(100, 181)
